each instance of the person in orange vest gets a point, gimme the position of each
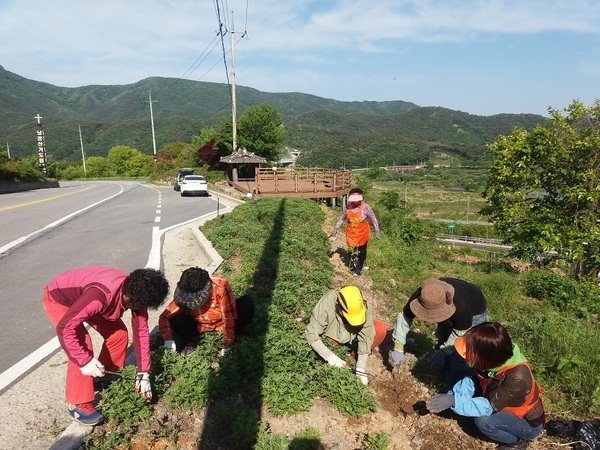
(510, 410)
(357, 213)
(203, 303)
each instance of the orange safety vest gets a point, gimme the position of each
(357, 229)
(535, 394)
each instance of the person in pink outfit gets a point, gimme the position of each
(98, 296)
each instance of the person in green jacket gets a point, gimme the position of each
(510, 409)
(343, 317)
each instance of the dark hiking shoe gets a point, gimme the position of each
(85, 414)
(519, 445)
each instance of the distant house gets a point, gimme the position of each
(288, 157)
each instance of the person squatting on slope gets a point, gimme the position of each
(511, 410)
(99, 296)
(455, 305)
(357, 213)
(203, 303)
(344, 317)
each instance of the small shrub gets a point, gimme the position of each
(563, 292)
(376, 441)
(265, 440)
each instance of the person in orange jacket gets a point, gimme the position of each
(203, 303)
(357, 213)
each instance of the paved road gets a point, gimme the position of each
(47, 231)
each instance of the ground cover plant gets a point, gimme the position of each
(279, 257)
(277, 251)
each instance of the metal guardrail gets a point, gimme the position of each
(478, 240)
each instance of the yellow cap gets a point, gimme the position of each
(352, 305)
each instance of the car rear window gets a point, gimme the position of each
(194, 177)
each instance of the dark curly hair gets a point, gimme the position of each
(145, 288)
(193, 279)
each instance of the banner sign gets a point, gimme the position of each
(41, 144)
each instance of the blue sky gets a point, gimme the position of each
(483, 57)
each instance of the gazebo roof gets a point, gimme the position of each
(242, 156)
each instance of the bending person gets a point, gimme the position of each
(455, 305)
(99, 296)
(203, 303)
(343, 317)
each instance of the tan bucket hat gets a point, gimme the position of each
(434, 304)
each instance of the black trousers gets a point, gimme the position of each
(185, 328)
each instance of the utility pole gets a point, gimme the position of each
(82, 154)
(233, 104)
(8, 150)
(152, 122)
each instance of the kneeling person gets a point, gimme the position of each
(203, 303)
(344, 317)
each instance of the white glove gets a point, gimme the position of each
(336, 361)
(362, 376)
(93, 369)
(170, 345)
(142, 384)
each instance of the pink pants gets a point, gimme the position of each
(79, 388)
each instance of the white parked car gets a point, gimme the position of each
(193, 185)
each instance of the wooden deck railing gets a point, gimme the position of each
(298, 182)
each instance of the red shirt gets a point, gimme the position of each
(90, 292)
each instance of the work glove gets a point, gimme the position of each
(333, 233)
(93, 369)
(437, 361)
(396, 357)
(224, 351)
(170, 345)
(336, 361)
(440, 402)
(362, 376)
(142, 384)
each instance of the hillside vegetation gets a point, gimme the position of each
(328, 132)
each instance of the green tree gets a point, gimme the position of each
(206, 135)
(544, 192)
(118, 157)
(260, 130)
(97, 167)
(139, 165)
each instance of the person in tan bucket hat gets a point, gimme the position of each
(456, 306)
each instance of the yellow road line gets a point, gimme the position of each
(21, 205)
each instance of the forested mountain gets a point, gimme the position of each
(328, 132)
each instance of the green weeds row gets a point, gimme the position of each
(276, 251)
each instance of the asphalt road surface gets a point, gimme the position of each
(48, 231)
